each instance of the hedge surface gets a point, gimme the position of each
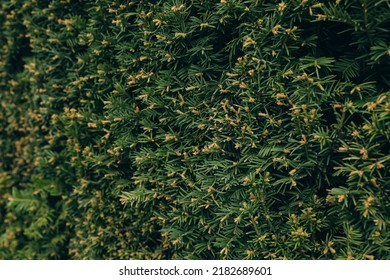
(194, 129)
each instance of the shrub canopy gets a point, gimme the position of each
(197, 129)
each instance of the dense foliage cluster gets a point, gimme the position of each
(197, 129)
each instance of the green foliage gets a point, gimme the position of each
(194, 129)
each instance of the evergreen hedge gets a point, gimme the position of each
(194, 129)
